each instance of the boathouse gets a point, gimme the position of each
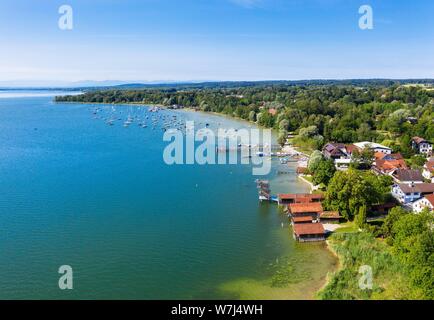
(311, 209)
(305, 232)
(295, 219)
(288, 198)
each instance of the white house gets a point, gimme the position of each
(428, 170)
(421, 145)
(409, 192)
(373, 146)
(422, 203)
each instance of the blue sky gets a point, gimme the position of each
(182, 40)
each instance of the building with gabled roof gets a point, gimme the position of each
(288, 198)
(421, 145)
(304, 232)
(407, 176)
(428, 170)
(425, 202)
(410, 192)
(375, 147)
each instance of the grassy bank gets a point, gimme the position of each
(389, 279)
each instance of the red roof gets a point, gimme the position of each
(430, 198)
(330, 214)
(390, 165)
(418, 140)
(308, 228)
(430, 165)
(302, 219)
(315, 207)
(298, 196)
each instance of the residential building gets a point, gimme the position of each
(409, 192)
(375, 147)
(407, 176)
(333, 151)
(340, 154)
(422, 203)
(428, 170)
(421, 145)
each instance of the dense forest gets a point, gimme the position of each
(382, 111)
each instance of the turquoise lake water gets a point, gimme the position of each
(75, 191)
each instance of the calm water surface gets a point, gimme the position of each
(99, 198)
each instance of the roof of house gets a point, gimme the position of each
(430, 165)
(350, 148)
(390, 165)
(392, 156)
(305, 207)
(408, 175)
(302, 219)
(330, 214)
(339, 148)
(417, 187)
(371, 145)
(430, 198)
(300, 196)
(308, 229)
(334, 148)
(419, 140)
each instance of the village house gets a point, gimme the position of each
(407, 193)
(421, 145)
(307, 219)
(305, 232)
(301, 212)
(333, 151)
(375, 147)
(388, 163)
(340, 154)
(288, 198)
(311, 209)
(407, 176)
(422, 203)
(428, 170)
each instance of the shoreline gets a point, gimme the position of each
(331, 274)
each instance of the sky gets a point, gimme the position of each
(208, 40)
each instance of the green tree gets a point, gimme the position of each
(324, 172)
(283, 135)
(351, 189)
(314, 161)
(394, 215)
(360, 218)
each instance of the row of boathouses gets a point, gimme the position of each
(307, 215)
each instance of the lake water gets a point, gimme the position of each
(76, 191)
